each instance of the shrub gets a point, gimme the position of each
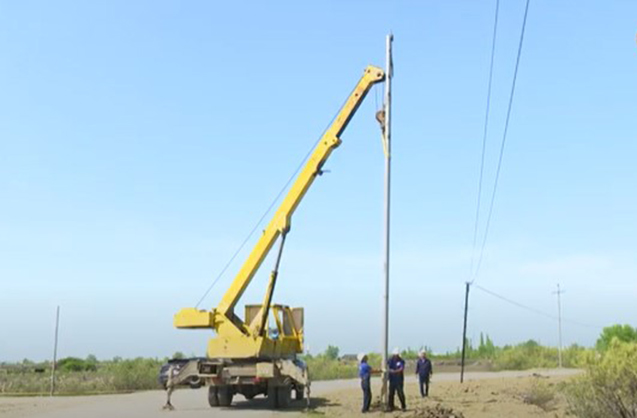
(526, 356)
(609, 387)
(540, 395)
(72, 364)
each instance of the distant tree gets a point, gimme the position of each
(624, 333)
(530, 344)
(409, 354)
(179, 355)
(331, 352)
(91, 359)
(486, 348)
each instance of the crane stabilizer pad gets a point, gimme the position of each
(193, 318)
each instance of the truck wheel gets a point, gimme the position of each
(284, 395)
(273, 402)
(213, 400)
(299, 391)
(225, 395)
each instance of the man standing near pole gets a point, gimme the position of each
(396, 380)
(424, 370)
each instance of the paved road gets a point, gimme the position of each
(193, 403)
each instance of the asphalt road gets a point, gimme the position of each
(193, 403)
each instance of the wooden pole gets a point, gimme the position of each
(55, 351)
(559, 324)
(464, 331)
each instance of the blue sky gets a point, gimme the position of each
(140, 141)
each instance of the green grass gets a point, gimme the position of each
(107, 377)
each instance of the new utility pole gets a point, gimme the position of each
(386, 137)
(464, 330)
(559, 322)
(55, 351)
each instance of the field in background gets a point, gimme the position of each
(92, 376)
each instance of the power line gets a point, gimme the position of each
(484, 135)
(534, 310)
(504, 138)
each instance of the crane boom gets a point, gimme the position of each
(230, 327)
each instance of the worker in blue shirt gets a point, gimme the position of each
(396, 366)
(424, 370)
(365, 373)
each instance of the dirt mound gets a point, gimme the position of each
(437, 411)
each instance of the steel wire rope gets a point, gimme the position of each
(484, 137)
(534, 310)
(503, 143)
(274, 201)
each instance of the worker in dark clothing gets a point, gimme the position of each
(396, 366)
(365, 373)
(424, 370)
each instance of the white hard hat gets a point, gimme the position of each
(396, 351)
(361, 356)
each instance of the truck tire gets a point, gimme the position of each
(224, 393)
(273, 402)
(213, 399)
(284, 395)
(299, 392)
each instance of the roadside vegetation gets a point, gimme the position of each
(607, 388)
(80, 376)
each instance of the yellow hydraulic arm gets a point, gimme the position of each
(233, 334)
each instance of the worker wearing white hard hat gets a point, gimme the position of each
(396, 367)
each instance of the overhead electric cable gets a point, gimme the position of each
(531, 309)
(274, 201)
(503, 143)
(484, 136)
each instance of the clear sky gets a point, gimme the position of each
(140, 142)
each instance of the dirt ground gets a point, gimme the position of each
(503, 396)
(484, 394)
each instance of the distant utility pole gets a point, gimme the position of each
(386, 136)
(464, 330)
(559, 323)
(55, 351)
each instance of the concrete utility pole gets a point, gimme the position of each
(464, 330)
(387, 149)
(55, 351)
(559, 323)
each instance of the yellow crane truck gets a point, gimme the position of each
(245, 356)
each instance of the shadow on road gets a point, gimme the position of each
(296, 406)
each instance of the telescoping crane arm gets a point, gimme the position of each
(223, 318)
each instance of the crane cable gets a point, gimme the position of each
(503, 143)
(484, 136)
(267, 211)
